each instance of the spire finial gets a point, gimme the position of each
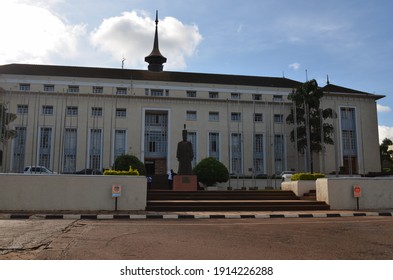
(155, 58)
(327, 80)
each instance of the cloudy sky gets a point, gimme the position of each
(351, 40)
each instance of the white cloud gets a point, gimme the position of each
(383, 109)
(131, 35)
(295, 66)
(32, 34)
(385, 132)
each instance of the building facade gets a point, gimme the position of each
(72, 118)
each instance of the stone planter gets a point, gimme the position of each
(299, 187)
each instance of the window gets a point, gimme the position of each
(191, 116)
(73, 89)
(157, 92)
(24, 87)
(236, 153)
(213, 94)
(257, 97)
(49, 88)
(98, 89)
(120, 142)
(19, 149)
(22, 109)
(235, 95)
(258, 117)
(44, 151)
(214, 145)
(121, 113)
(156, 134)
(278, 118)
(192, 137)
(348, 130)
(277, 98)
(96, 112)
(95, 149)
(236, 117)
(70, 148)
(72, 110)
(47, 110)
(121, 90)
(258, 154)
(214, 116)
(279, 153)
(191, 93)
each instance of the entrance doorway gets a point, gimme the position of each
(350, 165)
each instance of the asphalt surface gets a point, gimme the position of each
(338, 238)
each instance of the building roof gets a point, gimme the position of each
(331, 88)
(166, 76)
(144, 75)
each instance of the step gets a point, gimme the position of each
(283, 207)
(221, 195)
(239, 200)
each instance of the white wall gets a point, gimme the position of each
(70, 192)
(377, 193)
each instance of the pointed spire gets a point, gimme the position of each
(155, 58)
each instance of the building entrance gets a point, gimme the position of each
(156, 147)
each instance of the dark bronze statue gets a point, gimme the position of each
(185, 155)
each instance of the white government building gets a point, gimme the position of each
(71, 118)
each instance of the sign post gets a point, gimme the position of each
(357, 192)
(116, 193)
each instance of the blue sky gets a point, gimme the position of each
(349, 40)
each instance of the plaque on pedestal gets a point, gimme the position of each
(185, 183)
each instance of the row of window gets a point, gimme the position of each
(47, 110)
(95, 148)
(235, 116)
(73, 89)
(45, 148)
(234, 95)
(148, 92)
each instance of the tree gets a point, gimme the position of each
(5, 132)
(210, 171)
(5, 120)
(386, 159)
(309, 120)
(124, 162)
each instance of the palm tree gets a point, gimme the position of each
(311, 132)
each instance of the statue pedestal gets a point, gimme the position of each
(185, 183)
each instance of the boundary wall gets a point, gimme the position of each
(22, 192)
(376, 193)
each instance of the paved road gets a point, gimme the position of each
(289, 238)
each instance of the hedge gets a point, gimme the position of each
(130, 172)
(307, 176)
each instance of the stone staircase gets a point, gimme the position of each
(311, 195)
(166, 200)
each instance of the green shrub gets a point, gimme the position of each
(123, 163)
(129, 172)
(210, 172)
(307, 176)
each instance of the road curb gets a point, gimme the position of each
(158, 216)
